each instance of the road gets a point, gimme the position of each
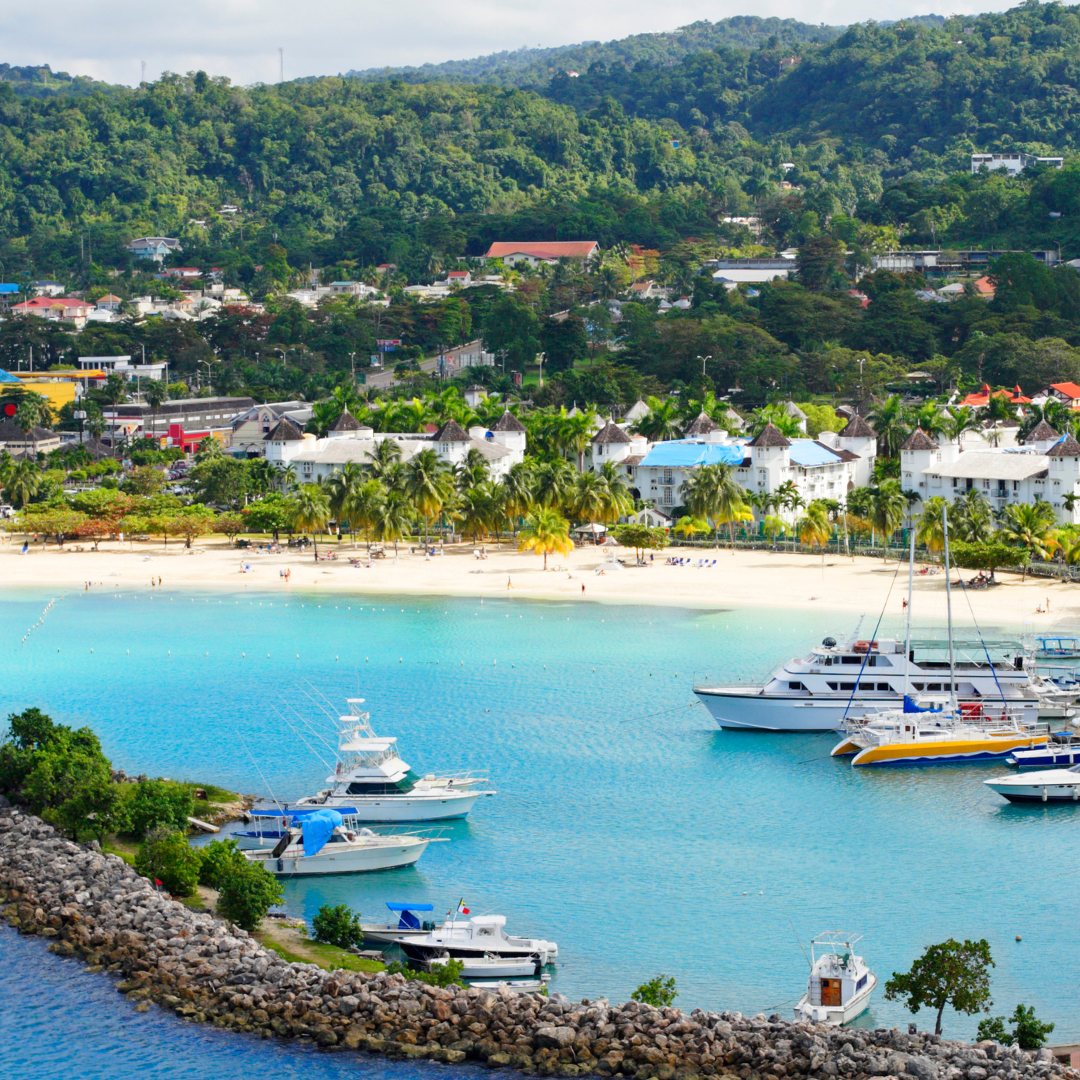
(381, 380)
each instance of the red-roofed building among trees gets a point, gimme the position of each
(982, 398)
(543, 251)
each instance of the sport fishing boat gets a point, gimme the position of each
(371, 778)
(324, 841)
(1052, 785)
(840, 984)
(474, 938)
(834, 680)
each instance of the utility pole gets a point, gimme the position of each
(281, 65)
(142, 81)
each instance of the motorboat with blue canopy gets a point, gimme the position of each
(324, 840)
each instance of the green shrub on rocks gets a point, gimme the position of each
(660, 992)
(166, 856)
(246, 893)
(338, 925)
(155, 803)
(1029, 1033)
(448, 974)
(216, 859)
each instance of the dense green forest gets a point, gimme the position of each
(533, 68)
(858, 147)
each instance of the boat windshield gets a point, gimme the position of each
(378, 786)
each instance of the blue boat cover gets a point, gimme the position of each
(910, 706)
(408, 920)
(318, 828)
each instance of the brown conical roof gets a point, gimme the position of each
(284, 431)
(346, 422)
(770, 436)
(918, 440)
(611, 433)
(858, 428)
(702, 424)
(451, 431)
(508, 422)
(1068, 447)
(1041, 432)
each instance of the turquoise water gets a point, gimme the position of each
(627, 827)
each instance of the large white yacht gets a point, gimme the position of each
(834, 680)
(372, 778)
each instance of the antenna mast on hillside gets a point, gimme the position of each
(142, 81)
(281, 65)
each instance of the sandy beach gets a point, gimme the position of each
(745, 578)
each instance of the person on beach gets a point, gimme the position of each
(509, 584)
(583, 588)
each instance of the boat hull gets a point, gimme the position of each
(483, 968)
(944, 752)
(747, 709)
(1050, 759)
(356, 861)
(836, 1015)
(394, 809)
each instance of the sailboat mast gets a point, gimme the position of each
(948, 605)
(907, 632)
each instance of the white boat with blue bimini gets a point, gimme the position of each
(473, 938)
(326, 841)
(371, 778)
(840, 984)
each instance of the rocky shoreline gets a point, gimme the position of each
(96, 908)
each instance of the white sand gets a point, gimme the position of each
(775, 579)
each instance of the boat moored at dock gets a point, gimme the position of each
(1051, 785)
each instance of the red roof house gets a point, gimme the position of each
(981, 399)
(543, 251)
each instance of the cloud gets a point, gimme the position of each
(241, 38)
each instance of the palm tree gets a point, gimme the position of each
(22, 482)
(473, 470)
(262, 474)
(429, 484)
(787, 425)
(312, 512)
(662, 422)
(383, 458)
(553, 482)
(286, 477)
(341, 491)
(33, 411)
(620, 501)
(479, 509)
(545, 531)
(574, 433)
(712, 492)
(889, 420)
(365, 506)
(155, 393)
(930, 418)
(774, 525)
(689, 527)
(814, 527)
(971, 518)
(1056, 413)
(887, 505)
(1030, 525)
(931, 528)
(960, 420)
(588, 498)
(518, 491)
(394, 518)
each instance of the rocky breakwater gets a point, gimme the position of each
(95, 907)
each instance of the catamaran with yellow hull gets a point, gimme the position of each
(920, 736)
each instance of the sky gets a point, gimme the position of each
(241, 38)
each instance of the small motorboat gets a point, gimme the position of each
(474, 938)
(840, 984)
(1062, 750)
(325, 841)
(491, 966)
(1057, 648)
(1051, 785)
(410, 923)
